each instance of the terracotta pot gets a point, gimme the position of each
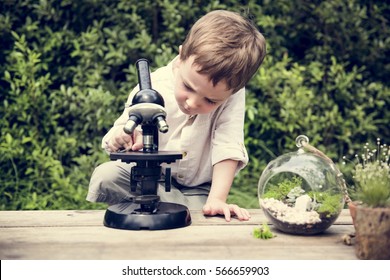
(372, 229)
(352, 210)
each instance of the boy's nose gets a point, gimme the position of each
(193, 102)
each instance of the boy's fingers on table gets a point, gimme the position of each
(227, 213)
(241, 213)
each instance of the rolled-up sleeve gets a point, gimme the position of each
(228, 134)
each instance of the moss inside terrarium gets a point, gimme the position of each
(328, 204)
(282, 186)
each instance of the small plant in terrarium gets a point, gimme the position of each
(287, 187)
(327, 204)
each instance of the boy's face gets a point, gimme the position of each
(194, 92)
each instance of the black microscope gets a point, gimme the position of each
(146, 211)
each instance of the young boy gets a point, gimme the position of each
(203, 89)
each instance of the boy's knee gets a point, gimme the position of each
(109, 182)
(103, 173)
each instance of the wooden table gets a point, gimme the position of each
(77, 235)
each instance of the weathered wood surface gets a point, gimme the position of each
(73, 235)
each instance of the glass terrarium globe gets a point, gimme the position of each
(301, 193)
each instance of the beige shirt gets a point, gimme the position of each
(204, 139)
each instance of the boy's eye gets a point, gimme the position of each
(187, 87)
(210, 101)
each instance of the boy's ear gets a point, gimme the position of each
(178, 58)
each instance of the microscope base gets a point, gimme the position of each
(127, 216)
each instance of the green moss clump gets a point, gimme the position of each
(263, 232)
(281, 190)
(328, 204)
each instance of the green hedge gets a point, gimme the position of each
(66, 68)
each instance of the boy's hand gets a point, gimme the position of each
(121, 140)
(218, 207)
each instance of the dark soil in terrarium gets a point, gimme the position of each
(302, 229)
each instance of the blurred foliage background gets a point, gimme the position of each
(66, 68)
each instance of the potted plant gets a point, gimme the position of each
(370, 204)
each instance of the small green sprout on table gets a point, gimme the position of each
(263, 232)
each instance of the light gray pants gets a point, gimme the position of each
(110, 183)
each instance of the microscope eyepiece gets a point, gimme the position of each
(143, 74)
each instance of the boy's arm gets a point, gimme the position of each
(223, 175)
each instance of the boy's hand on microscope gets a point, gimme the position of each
(123, 141)
(218, 207)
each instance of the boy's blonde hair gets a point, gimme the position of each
(226, 46)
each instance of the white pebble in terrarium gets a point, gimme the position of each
(301, 193)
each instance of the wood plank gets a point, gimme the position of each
(66, 218)
(195, 242)
(72, 234)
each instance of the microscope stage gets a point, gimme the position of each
(138, 156)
